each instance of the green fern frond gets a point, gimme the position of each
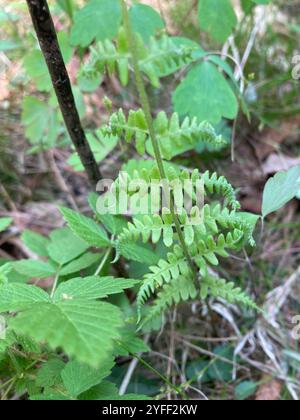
(174, 138)
(223, 289)
(164, 272)
(207, 249)
(180, 290)
(214, 221)
(228, 219)
(219, 185)
(183, 289)
(161, 57)
(212, 183)
(157, 227)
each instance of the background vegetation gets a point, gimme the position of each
(229, 63)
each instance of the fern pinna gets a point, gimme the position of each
(221, 228)
(158, 59)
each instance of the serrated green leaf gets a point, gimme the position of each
(83, 329)
(145, 21)
(100, 147)
(99, 19)
(49, 374)
(35, 268)
(36, 68)
(35, 242)
(91, 288)
(15, 297)
(280, 189)
(7, 341)
(49, 396)
(245, 389)
(136, 252)
(78, 378)
(85, 228)
(68, 6)
(65, 246)
(205, 93)
(114, 224)
(41, 120)
(85, 261)
(217, 17)
(5, 222)
(130, 343)
(105, 391)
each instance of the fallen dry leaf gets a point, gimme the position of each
(269, 391)
(4, 89)
(278, 162)
(271, 138)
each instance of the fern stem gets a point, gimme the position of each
(103, 261)
(55, 283)
(152, 369)
(147, 110)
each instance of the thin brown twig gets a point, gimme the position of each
(61, 183)
(46, 34)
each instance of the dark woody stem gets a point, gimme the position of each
(46, 34)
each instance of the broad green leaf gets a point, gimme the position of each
(206, 94)
(217, 17)
(280, 189)
(68, 6)
(14, 296)
(85, 261)
(8, 45)
(136, 252)
(85, 228)
(91, 288)
(41, 121)
(35, 242)
(49, 373)
(65, 246)
(35, 268)
(78, 378)
(90, 83)
(130, 343)
(6, 16)
(84, 329)
(248, 5)
(5, 222)
(98, 20)
(145, 20)
(114, 224)
(100, 147)
(262, 1)
(5, 270)
(7, 341)
(105, 391)
(36, 68)
(49, 396)
(245, 389)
